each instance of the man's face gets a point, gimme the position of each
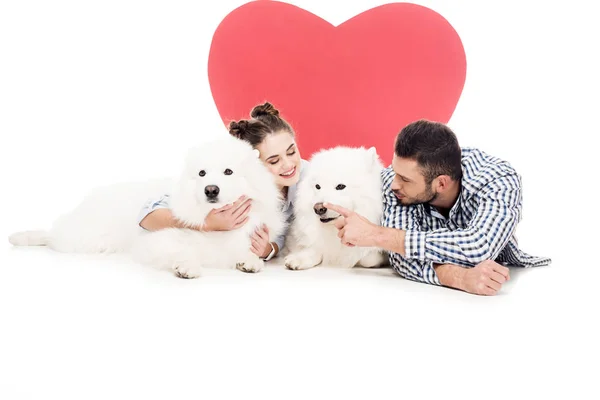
(409, 184)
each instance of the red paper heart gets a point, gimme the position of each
(356, 84)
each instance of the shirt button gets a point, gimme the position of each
(415, 253)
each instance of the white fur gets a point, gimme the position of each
(312, 242)
(106, 220)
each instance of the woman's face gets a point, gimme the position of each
(279, 153)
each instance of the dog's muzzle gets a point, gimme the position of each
(321, 211)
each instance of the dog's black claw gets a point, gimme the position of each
(181, 275)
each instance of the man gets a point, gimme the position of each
(449, 214)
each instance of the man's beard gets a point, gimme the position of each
(427, 196)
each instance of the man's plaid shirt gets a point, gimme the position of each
(480, 226)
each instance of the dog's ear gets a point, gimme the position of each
(251, 156)
(373, 156)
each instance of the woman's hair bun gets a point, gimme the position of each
(264, 109)
(238, 129)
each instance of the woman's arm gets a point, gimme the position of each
(162, 218)
(233, 216)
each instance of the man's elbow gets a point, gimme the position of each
(477, 250)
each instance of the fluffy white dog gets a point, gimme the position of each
(214, 174)
(351, 178)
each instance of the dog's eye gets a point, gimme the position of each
(341, 186)
(202, 173)
(318, 186)
(228, 172)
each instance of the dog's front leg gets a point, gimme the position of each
(252, 263)
(373, 259)
(303, 259)
(173, 249)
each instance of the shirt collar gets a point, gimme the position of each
(287, 202)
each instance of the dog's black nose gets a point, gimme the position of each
(211, 191)
(320, 209)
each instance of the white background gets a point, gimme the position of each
(95, 92)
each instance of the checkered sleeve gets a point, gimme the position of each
(399, 217)
(152, 205)
(495, 218)
(415, 270)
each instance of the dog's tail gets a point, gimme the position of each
(29, 238)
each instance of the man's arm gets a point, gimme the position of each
(390, 239)
(486, 278)
(488, 232)
(415, 270)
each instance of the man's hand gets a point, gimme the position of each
(354, 229)
(486, 278)
(229, 217)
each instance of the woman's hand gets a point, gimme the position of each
(260, 244)
(229, 217)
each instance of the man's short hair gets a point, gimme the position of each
(434, 146)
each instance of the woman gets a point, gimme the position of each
(273, 137)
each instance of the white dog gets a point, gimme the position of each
(351, 178)
(214, 174)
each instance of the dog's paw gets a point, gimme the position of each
(296, 263)
(250, 266)
(186, 272)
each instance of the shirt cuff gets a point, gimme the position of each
(148, 208)
(280, 241)
(414, 244)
